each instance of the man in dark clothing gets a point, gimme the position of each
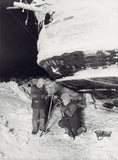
(39, 95)
(73, 116)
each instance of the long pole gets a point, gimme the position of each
(49, 114)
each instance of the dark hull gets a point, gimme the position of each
(92, 83)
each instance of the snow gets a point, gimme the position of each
(111, 71)
(84, 25)
(17, 142)
(17, 90)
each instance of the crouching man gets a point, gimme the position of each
(73, 115)
(38, 94)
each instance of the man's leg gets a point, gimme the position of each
(42, 119)
(35, 117)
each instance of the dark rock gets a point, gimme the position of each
(108, 105)
(69, 63)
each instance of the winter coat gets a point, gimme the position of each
(38, 96)
(73, 114)
(73, 122)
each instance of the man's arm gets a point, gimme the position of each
(45, 90)
(70, 109)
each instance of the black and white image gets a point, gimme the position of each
(58, 79)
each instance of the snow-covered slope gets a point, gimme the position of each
(17, 142)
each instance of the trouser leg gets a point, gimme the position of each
(35, 117)
(42, 120)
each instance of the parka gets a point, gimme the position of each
(38, 96)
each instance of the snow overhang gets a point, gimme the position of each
(79, 25)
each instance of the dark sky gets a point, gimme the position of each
(18, 50)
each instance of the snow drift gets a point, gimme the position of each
(17, 142)
(83, 25)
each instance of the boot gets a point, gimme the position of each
(81, 130)
(35, 126)
(62, 123)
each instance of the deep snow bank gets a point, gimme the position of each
(17, 143)
(83, 25)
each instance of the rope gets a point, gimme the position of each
(23, 25)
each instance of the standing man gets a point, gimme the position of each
(38, 94)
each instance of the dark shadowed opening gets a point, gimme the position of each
(18, 50)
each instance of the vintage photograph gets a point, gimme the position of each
(58, 80)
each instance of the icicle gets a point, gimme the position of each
(26, 21)
(27, 17)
